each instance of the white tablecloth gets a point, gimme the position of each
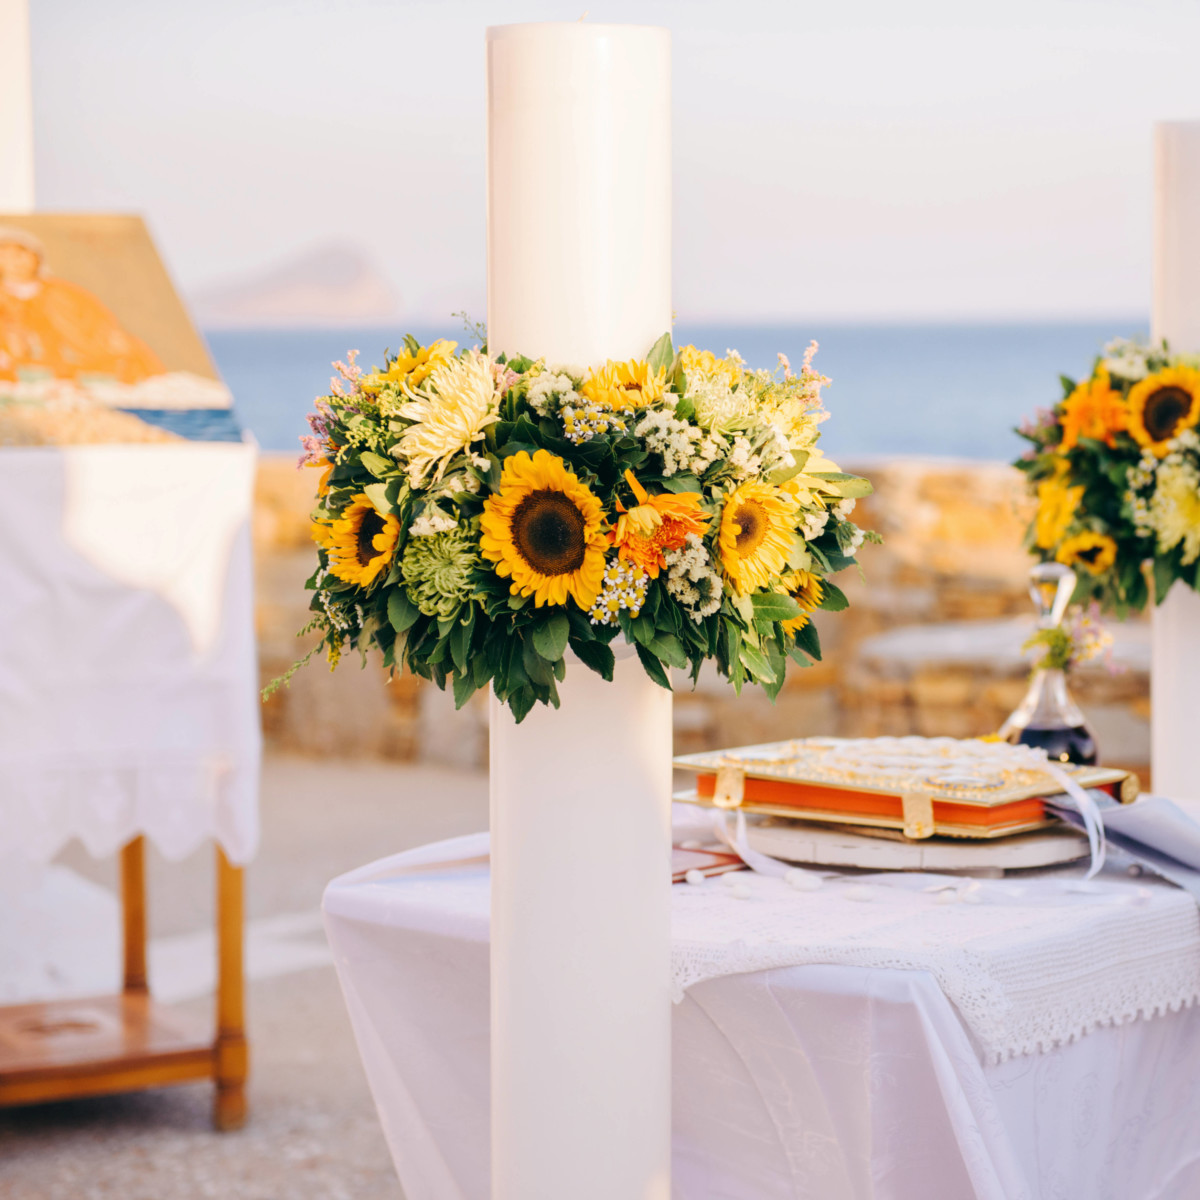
(819, 1081)
(128, 680)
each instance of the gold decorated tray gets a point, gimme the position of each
(922, 786)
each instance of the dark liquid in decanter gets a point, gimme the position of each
(1072, 744)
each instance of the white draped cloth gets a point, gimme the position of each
(128, 679)
(837, 1079)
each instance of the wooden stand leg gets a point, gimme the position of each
(231, 1055)
(133, 906)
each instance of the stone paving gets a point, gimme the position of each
(312, 1134)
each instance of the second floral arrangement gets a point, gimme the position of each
(477, 517)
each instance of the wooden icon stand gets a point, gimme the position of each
(64, 1049)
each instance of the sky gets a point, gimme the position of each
(857, 160)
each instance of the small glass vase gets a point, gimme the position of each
(1047, 717)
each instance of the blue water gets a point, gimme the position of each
(953, 390)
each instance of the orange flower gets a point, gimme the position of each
(1092, 410)
(656, 524)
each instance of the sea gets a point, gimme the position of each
(950, 391)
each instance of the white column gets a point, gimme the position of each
(16, 109)
(579, 271)
(1175, 641)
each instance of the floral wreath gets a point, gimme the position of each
(477, 517)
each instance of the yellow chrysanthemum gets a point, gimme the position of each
(1096, 552)
(1162, 405)
(360, 543)
(449, 413)
(756, 535)
(619, 385)
(1057, 505)
(705, 362)
(1093, 410)
(805, 588)
(655, 525)
(1175, 510)
(545, 530)
(411, 369)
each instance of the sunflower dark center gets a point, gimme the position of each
(1164, 410)
(751, 520)
(548, 532)
(368, 527)
(1089, 554)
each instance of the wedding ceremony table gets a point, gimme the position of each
(128, 712)
(915, 1037)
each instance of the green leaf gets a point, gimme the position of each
(681, 483)
(377, 494)
(685, 409)
(653, 667)
(1164, 576)
(808, 640)
(460, 641)
(401, 611)
(550, 637)
(464, 687)
(596, 656)
(379, 466)
(536, 667)
(669, 648)
(846, 486)
(662, 354)
(756, 663)
(833, 599)
(520, 702)
(774, 606)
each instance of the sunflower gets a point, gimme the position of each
(1092, 410)
(756, 534)
(805, 588)
(655, 525)
(545, 529)
(360, 543)
(1057, 504)
(450, 413)
(1162, 405)
(1094, 551)
(411, 369)
(618, 385)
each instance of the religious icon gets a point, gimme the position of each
(95, 344)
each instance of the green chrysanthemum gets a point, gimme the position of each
(437, 571)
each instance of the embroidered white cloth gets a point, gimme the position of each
(821, 1081)
(1029, 964)
(128, 680)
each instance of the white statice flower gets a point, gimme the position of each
(1175, 508)
(857, 537)
(550, 386)
(1126, 359)
(691, 580)
(843, 508)
(742, 460)
(432, 520)
(680, 444)
(813, 525)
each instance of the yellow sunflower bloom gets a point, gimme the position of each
(1094, 551)
(1093, 410)
(655, 525)
(805, 588)
(1057, 505)
(756, 534)
(411, 369)
(1163, 405)
(620, 385)
(545, 530)
(360, 543)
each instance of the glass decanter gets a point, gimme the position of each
(1047, 717)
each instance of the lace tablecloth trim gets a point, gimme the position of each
(1029, 964)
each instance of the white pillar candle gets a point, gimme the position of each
(1175, 640)
(579, 271)
(16, 109)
